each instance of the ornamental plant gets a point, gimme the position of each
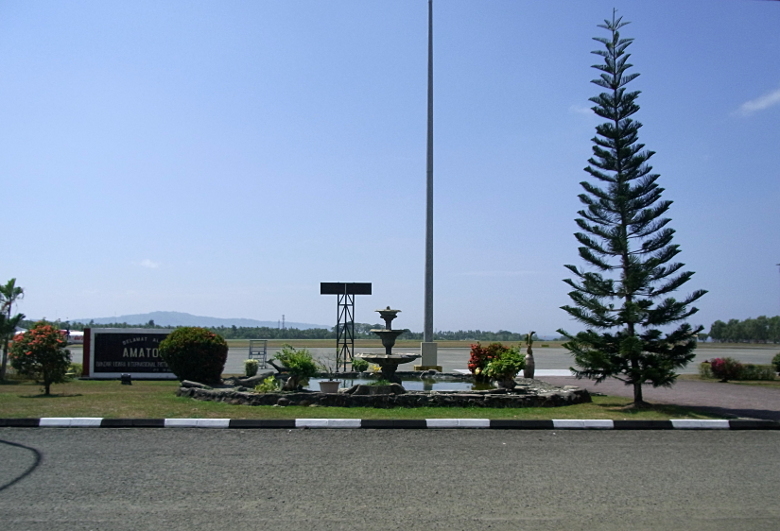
(268, 385)
(250, 367)
(504, 367)
(480, 357)
(195, 354)
(776, 362)
(299, 363)
(359, 364)
(41, 354)
(726, 369)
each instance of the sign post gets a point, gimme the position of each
(113, 352)
(345, 316)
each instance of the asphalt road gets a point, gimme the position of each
(186, 479)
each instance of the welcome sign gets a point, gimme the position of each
(112, 352)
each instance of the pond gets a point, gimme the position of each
(410, 385)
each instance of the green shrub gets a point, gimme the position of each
(74, 371)
(726, 369)
(776, 362)
(756, 372)
(195, 354)
(299, 363)
(506, 365)
(41, 354)
(269, 385)
(359, 365)
(250, 367)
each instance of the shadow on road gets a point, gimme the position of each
(30, 469)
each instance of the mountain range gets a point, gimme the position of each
(186, 319)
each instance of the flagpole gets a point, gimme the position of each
(428, 347)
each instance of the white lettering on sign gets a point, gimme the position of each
(140, 352)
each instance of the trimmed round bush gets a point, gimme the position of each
(776, 362)
(195, 354)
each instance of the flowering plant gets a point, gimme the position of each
(481, 356)
(40, 353)
(726, 369)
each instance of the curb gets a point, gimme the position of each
(390, 424)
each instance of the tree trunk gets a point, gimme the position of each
(4, 365)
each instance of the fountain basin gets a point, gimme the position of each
(389, 362)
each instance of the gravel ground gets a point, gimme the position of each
(187, 479)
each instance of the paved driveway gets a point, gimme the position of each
(722, 398)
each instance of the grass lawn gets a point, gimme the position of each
(155, 399)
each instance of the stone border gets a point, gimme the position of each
(389, 424)
(496, 398)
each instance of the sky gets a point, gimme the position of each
(223, 158)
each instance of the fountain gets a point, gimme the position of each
(388, 361)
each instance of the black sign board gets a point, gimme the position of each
(345, 288)
(134, 351)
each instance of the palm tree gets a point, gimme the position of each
(9, 294)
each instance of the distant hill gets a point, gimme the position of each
(186, 319)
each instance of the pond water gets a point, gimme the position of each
(409, 385)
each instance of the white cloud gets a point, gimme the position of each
(580, 109)
(759, 104)
(148, 263)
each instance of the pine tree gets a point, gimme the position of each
(623, 293)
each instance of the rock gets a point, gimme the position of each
(390, 389)
(256, 379)
(188, 383)
(283, 402)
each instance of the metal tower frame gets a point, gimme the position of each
(345, 317)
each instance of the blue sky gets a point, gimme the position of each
(224, 158)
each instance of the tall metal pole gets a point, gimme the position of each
(428, 347)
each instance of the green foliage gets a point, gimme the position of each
(752, 371)
(41, 354)
(762, 329)
(776, 362)
(250, 367)
(726, 369)
(299, 362)
(506, 365)
(622, 294)
(195, 354)
(480, 356)
(359, 365)
(268, 385)
(74, 371)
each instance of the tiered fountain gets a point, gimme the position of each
(388, 361)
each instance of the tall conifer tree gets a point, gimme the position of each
(622, 294)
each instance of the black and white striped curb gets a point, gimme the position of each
(555, 424)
